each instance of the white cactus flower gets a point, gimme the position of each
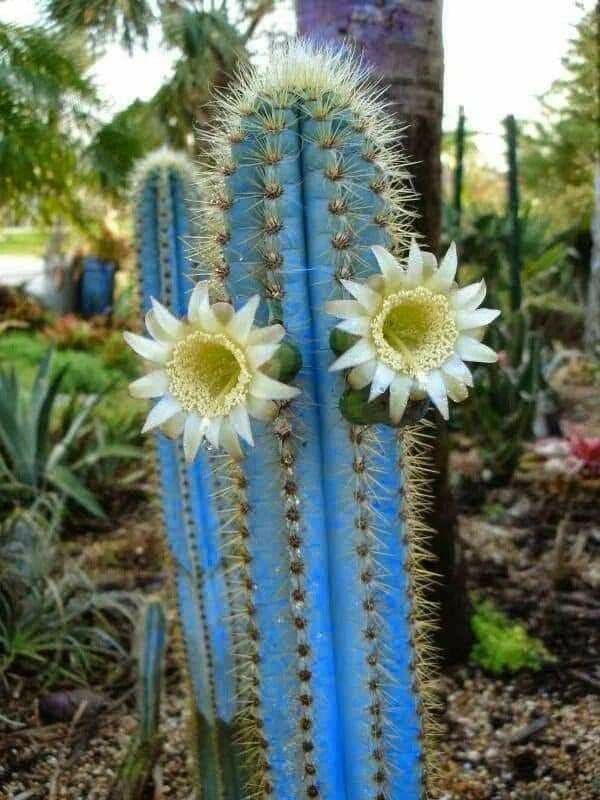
(416, 329)
(207, 372)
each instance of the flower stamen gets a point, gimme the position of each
(208, 374)
(414, 331)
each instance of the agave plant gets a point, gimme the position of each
(42, 435)
(54, 624)
(292, 508)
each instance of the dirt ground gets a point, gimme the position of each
(533, 548)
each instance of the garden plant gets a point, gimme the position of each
(291, 368)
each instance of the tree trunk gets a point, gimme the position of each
(402, 39)
(592, 316)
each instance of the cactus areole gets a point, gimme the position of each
(289, 384)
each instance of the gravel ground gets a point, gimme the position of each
(533, 549)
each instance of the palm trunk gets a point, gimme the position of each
(402, 39)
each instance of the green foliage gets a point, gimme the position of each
(54, 626)
(502, 409)
(559, 154)
(502, 645)
(24, 241)
(129, 21)
(117, 145)
(47, 444)
(39, 152)
(84, 372)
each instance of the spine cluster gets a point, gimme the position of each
(298, 599)
(237, 541)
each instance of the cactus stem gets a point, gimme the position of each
(251, 736)
(367, 544)
(287, 455)
(414, 444)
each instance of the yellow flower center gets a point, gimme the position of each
(414, 331)
(208, 374)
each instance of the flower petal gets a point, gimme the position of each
(429, 264)
(433, 383)
(240, 423)
(199, 299)
(361, 376)
(156, 331)
(367, 298)
(173, 428)
(230, 441)
(154, 384)
(241, 323)
(269, 389)
(193, 433)
(213, 429)
(414, 266)
(272, 334)
(360, 326)
(455, 367)
(170, 324)
(259, 354)
(444, 276)
(470, 349)
(362, 351)
(475, 319)
(382, 379)
(399, 394)
(262, 409)
(158, 352)
(457, 390)
(166, 408)
(468, 298)
(345, 309)
(388, 264)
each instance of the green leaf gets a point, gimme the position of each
(66, 482)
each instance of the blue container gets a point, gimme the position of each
(97, 287)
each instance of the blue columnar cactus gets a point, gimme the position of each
(303, 183)
(194, 510)
(300, 559)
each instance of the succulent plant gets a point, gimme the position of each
(301, 556)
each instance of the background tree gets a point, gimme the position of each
(210, 41)
(402, 39)
(559, 154)
(46, 104)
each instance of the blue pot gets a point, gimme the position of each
(97, 286)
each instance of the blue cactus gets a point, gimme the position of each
(193, 506)
(300, 568)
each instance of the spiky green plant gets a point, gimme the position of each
(301, 561)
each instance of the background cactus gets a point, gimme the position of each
(145, 746)
(195, 510)
(307, 642)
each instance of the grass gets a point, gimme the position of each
(23, 242)
(89, 371)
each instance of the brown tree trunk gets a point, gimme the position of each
(402, 39)
(592, 315)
